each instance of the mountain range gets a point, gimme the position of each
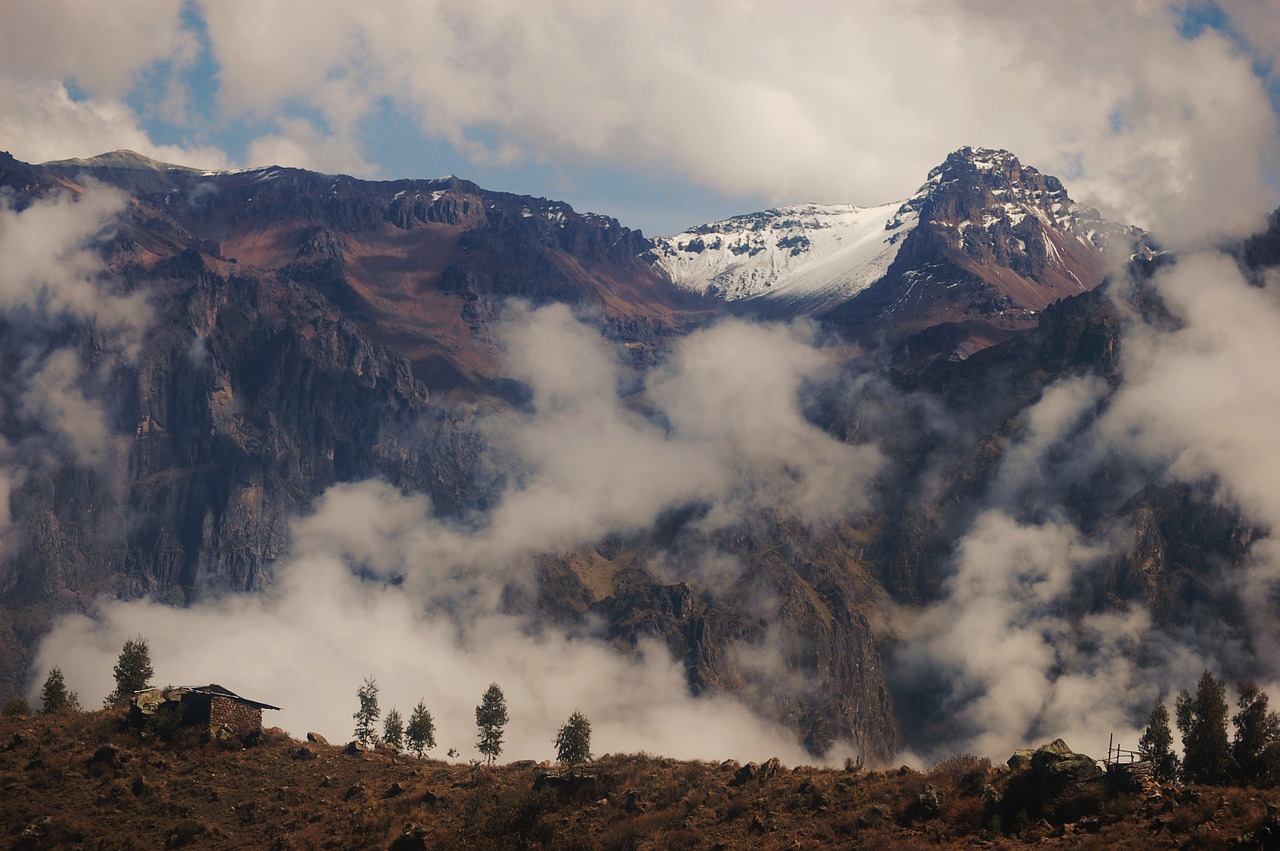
(307, 331)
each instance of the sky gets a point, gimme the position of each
(664, 114)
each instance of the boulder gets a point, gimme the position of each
(1021, 760)
(107, 756)
(226, 739)
(745, 774)
(1053, 752)
(413, 838)
(930, 801)
(1056, 784)
(317, 739)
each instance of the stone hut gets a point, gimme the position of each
(211, 706)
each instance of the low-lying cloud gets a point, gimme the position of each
(588, 457)
(53, 276)
(1016, 648)
(308, 644)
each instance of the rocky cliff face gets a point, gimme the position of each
(250, 396)
(421, 266)
(792, 637)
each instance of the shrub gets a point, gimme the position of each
(15, 707)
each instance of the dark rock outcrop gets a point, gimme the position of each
(1059, 785)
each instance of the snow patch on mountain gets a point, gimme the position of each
(808, 252)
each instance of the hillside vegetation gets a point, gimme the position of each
(90, 780)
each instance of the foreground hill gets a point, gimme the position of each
(90, 781)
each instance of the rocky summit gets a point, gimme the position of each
(973, 256)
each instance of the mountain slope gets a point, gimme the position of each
(422, 266)
(982, 247)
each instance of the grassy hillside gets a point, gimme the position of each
(88, 780)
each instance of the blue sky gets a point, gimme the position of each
(666, 115)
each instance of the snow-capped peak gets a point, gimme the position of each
(810, 252)
(980, 202)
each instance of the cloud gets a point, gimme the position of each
(733, 392)
(313, 639)
(68, 39)
(1024, 473)
(53, 398)
(315, 635)
(47, 46)
(53, 271)
(1015, 647)
(1009, 657)
(719, 426)
(40, 122)
(835, 103)
(300, 145)
(1201, 402)
(376, 584)
(1203, 398)
(824, 102)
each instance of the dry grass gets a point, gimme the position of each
(86, 780)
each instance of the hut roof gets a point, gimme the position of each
(215, 690)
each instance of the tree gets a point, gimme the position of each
(1202, 720)
(54, 696)
(1256, 747)
(133, 671)
(573, 742)
(366, 716)
(421, 731)
(491, 717)
(393, 730)
(1156, 745)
